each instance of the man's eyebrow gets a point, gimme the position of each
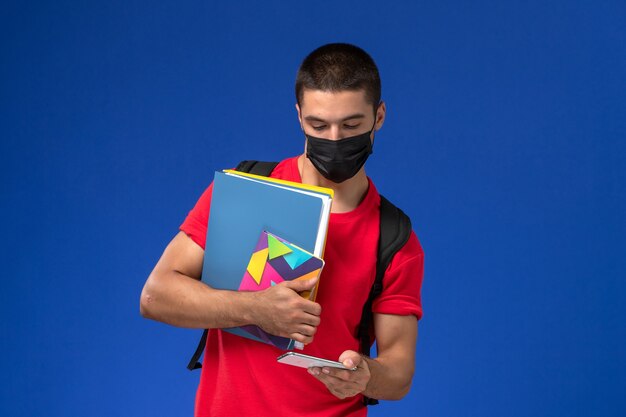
(351, 117)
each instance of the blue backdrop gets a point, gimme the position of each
(505, 143)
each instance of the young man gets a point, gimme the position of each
(339, 110)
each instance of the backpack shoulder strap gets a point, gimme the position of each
(252, 167)
(194, 362)
(257, 167)
(395, 230)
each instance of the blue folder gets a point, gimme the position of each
(242, 207)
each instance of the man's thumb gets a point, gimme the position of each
(299, 285)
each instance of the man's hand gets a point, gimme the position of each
(387, 376)
(343, 383)
(281, 311)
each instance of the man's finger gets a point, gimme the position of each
(299, 337)
(299, 285)
(350, 358)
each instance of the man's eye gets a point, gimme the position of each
(319, 128)
(350, 126)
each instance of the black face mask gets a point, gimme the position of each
(339, 160)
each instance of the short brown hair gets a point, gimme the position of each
(339, 67)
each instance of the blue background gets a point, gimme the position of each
(505, 142)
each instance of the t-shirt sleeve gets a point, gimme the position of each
(402, 283)
(195, 225)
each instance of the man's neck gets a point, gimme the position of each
(348, 194)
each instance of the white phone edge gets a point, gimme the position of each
(305, 361)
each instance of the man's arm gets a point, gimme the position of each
(175, 295)
(387, 376)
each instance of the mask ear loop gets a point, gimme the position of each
(306, 140)
(372, 130)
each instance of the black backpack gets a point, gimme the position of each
(395, 230)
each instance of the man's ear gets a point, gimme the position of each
(299, 116)
(381, 112)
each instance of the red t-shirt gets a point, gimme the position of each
(241, 376)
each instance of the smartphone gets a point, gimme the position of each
(306, 361)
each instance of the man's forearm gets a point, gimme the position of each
(179, 300)
(390, 380)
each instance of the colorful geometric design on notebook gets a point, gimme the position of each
(269, 278)
(296, 258)
(277, 248)
(272, 262)
(257, 265)
(275, 261)
(283, 268)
